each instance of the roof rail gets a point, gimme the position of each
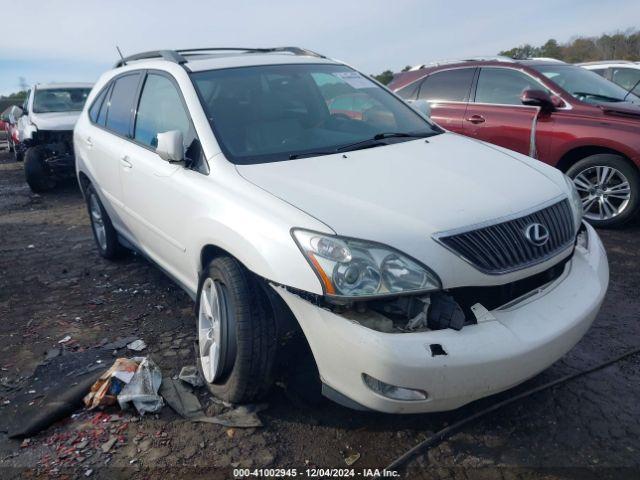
(493, 58)
(545, 59)
(169, 55)
(178, 56)
(602, 62)
(293, 50)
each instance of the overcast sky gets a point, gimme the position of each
(74, 40)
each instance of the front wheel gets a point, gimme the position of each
(609, 188)
(104, 234)
(236, 333)
(36, 171)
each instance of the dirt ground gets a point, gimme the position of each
(53, 284)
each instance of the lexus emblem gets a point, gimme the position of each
(537, 234)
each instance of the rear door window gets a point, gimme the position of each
(449, 85)
(503, 86)
(121, 104)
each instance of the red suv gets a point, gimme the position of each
(562, 114)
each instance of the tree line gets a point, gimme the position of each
(616, 46)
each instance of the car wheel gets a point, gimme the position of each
(609, 187)
(18, 156)
(236, 333)
(36, 171)
(104, 234)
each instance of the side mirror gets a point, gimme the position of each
(538, 98)
(170, 147)
(420, 106)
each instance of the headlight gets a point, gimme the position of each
(358, 268)
(576, 203)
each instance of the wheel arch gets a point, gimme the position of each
(578, 153)
(83, 181)
(288, 328)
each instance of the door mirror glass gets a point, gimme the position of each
(170, 147)
(538, 98)
(420, 106)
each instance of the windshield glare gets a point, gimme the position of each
(585, 85)
(60, 99)
(277, 112)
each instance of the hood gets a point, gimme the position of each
(55, 120)
(414, 187)
(624, 109)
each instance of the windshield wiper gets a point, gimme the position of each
(375, 141)
(597, 95)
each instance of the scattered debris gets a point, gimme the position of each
(143, 388)
(191, 375)
(187, 405)
(106, 446)
(180, 399)
(57, 405)
(119, 343)
(129, 380)
(137, 345)
(52, 353)
(65, 339)
(351, 459)
(105, 391)
(244, 416)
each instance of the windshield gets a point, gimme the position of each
(280, 112)
(585, 85)
(60, 99)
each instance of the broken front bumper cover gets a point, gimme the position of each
(510, 346)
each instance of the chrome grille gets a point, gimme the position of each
(503, 247)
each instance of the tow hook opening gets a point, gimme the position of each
(436, 350)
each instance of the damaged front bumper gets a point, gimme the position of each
(506, 347)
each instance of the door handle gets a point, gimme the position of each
(124, 161)
(475, 119)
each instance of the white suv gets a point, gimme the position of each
(623, 72)
(279, 187)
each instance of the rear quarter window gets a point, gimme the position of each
(449, 85)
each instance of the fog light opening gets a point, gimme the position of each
(392, 391)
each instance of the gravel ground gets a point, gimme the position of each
(53, 284)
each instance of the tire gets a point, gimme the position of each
(36, 172)
(610, 203)
(104, 234)
(246, 334)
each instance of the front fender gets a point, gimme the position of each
(270, 254)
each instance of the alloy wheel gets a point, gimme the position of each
(97, 222)
(209, 329)
(605, 192)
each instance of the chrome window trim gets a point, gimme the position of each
(567, 106)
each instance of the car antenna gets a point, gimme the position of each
(121, 56)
